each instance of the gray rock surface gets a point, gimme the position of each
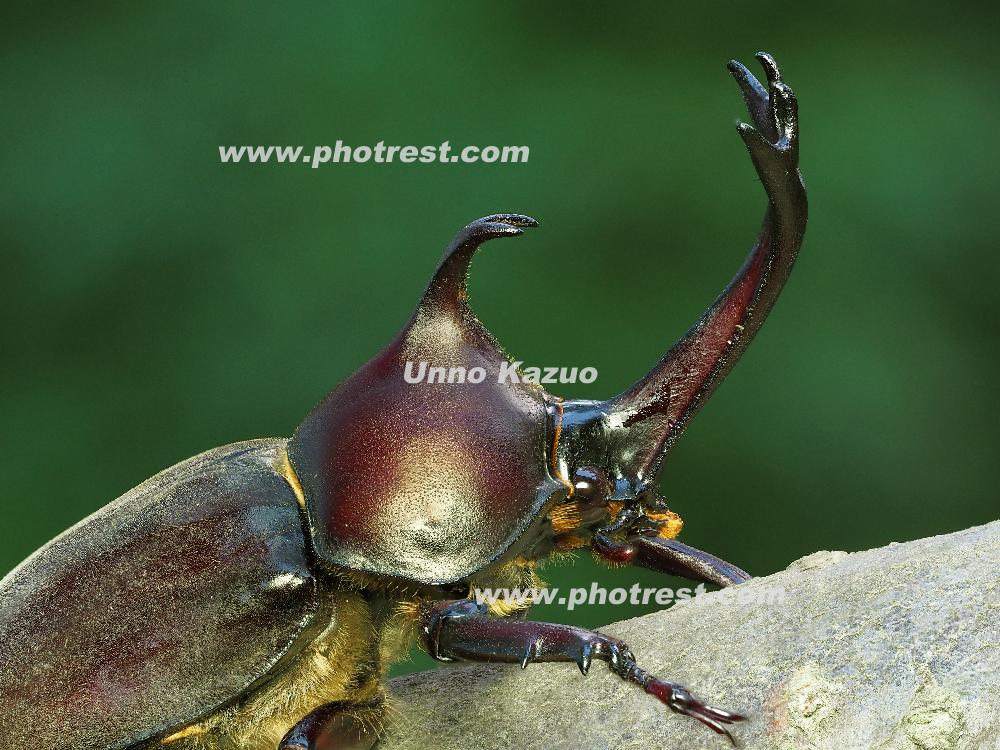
(896, 648)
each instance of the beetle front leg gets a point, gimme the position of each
(463, 630)
(672, 557)
(336, 726)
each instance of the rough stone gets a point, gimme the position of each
(896, 648)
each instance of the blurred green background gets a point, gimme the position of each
(157, 303)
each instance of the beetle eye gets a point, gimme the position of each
(591, 485)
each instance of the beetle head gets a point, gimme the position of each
(436, 481)
(612, 465)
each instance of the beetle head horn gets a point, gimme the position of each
(639, 426)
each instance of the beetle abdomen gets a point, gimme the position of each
(158, 609)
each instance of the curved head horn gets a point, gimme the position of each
(654, 411)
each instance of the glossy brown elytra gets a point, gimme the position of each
(253, 596)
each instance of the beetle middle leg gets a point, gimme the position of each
(463, 630)
(341, 725)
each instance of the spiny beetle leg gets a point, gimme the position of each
(671, 557)
(677, 558)
(463, 630)
(336, 726)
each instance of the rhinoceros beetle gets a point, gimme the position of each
(254, 595)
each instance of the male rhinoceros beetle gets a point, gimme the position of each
(253, 596)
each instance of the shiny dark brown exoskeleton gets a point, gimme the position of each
(253, 596)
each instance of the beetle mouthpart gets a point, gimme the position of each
(669, 524)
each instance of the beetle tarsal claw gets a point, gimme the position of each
(586, 657)
(529, 655)
(679, 699)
